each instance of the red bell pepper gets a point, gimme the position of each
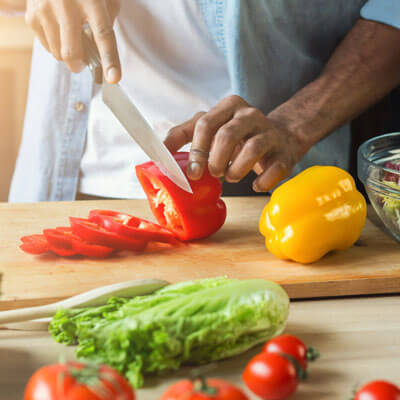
(189, 216)
(94, 233)
(128, 225)
(34, 244)
(64, 243)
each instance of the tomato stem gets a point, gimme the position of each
(312, 354)
(300, 371)
(200, 384)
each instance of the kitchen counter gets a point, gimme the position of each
(358, 338)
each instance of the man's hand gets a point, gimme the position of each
(235, 138)
(58, 25)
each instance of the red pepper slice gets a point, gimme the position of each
(189, 216)
(64, 243)
(62, 251)
(94, 233)
(128, 225)
(34, 244)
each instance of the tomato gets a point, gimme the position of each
(75, 381)
(34, 244)
(128, 225)
(94, 233)
(378, 390)
(271, 376)
(216, 389)
(189, 216)
(293, 346)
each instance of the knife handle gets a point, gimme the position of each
(92, 55)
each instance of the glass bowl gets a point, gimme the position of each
(378, 164)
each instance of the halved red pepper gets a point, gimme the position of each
(189, 216)
(128, 225)
(94, 233)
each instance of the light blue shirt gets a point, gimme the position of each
(272, 48)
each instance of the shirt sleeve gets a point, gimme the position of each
(385, 11)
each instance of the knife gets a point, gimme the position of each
(132, 119)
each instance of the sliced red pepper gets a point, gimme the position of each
(62, 251)
(94, 233)
(64, 243)
(34, 244)
(189, 216)
(128, 225)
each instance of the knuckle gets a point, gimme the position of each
(30, 19)
(224, 136)
(253, 112)
(203, 123)
(198, 115)
(43, 8)
(254, 146)
(250, 112)
(235, 99)
(103, 31)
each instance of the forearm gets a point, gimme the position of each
(362, 70)
(12, 6)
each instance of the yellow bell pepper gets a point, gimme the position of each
(315, 212)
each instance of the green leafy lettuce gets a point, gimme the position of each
(190, 322)
(391, 205)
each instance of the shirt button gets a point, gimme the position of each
(79, 106)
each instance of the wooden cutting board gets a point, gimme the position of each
(237, 251)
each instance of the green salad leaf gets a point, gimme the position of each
(189, 322)
(391, 206)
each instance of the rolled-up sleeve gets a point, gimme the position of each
(385, 11)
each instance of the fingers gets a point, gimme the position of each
(240, 128)
(33, 22)
(51, 30)
(252, 151)
(204, 131)
(101, 24)
(274, 172)
(181, 134)
(71, 38)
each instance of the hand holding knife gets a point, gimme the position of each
(132, 120)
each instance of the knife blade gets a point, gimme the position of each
(139, 129)
(133, 121)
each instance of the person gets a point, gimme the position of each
(252, 85)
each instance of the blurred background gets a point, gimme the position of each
(15, 56)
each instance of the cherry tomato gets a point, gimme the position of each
(75, 381)
(293, 346)
(378, 390)
(271, 376)
(216, 389)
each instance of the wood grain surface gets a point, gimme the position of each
(237, 251)
(357, 337)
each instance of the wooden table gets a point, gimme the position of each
(358, 337)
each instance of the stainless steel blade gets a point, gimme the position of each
(139, 129)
